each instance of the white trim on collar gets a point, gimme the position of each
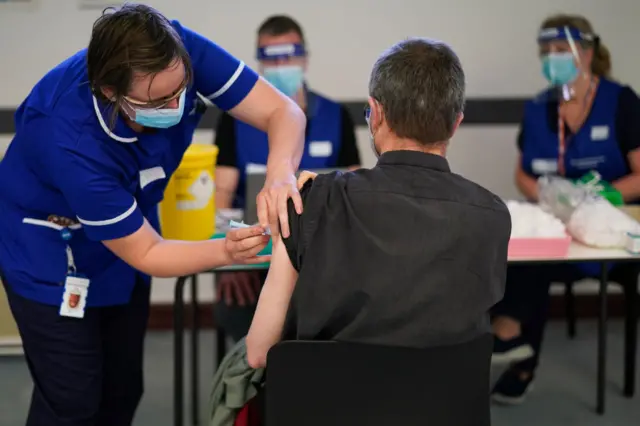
(106, 128)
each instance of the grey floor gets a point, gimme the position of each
(564, 392)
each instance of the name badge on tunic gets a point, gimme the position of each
(74, 299)
(542, 166)
(255, 169)
(588, 162)
(320, 148)
(599, 133)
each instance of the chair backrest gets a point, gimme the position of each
(336, 384)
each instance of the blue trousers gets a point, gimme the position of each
(86, 372)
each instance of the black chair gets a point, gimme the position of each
(632, 308)
(344, 384)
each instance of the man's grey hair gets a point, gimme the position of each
(420, 86)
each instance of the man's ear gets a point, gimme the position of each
(457, 123)
(377, 114)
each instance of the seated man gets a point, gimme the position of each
(404, 254)
(330, 142)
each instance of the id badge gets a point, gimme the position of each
(74, 299)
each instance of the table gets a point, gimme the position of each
(577, 253)
(178, 342)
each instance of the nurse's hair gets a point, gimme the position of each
(601, 63)
(420, 85)
(128, 39)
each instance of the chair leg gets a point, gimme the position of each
(632, 300)
(570, 309)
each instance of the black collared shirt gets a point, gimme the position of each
(406, 253)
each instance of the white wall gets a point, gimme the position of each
(494, 38)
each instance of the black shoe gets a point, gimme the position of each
(510, 351)
(511, 388)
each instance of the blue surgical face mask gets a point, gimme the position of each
(559, 68)
(160, 118)
(286, 78)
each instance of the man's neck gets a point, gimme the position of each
(401, 144)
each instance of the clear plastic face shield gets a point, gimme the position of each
(561, 60)
(282, 66)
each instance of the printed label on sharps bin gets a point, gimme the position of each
(197, 194)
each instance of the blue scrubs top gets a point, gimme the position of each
(323, 142)
(609, 133)
(67, 159)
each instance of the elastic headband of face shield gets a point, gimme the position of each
(567, 33)
(281, 51)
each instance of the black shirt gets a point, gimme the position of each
(226, 140)
(404, 254)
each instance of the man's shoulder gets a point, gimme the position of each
(316, 192)
(479, 196)
(342, 179)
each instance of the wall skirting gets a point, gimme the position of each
(586, 306)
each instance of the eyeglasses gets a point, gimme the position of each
(157, 104)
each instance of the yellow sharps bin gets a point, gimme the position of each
(188, 209)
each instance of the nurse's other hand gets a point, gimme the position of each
(305, 175)
(272, 201)
(244, 244)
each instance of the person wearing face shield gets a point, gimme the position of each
(329, 142)
(96, 142)
(583, 122)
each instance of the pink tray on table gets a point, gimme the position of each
(547, 248)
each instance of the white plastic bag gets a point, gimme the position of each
(596, 222)
(530, 221)
(560, 196)
(589, 218)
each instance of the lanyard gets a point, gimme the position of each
(562, 143)
(562, 133)
(66, 235)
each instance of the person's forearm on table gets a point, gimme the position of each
(224, 199)
(629, 187)
(271, 312)
(227, 179)
(527, 185)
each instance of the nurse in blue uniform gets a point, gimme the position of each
(585, 121)
(330, 142)
(96, 142)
